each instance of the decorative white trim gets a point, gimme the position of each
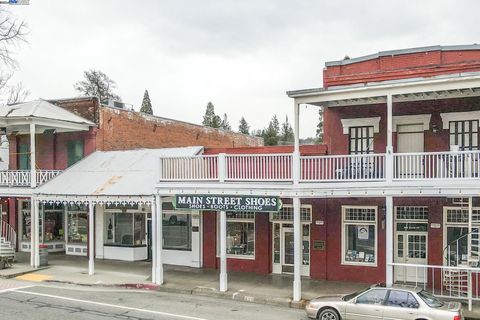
(458, 116)
(412, 119)
(361, 122)
(102, 200)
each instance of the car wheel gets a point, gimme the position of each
(328, 314)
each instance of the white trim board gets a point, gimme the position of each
(458, 116)
(423, 119)
(361, 122)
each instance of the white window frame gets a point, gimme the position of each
(238, 256)
(361, 122)
(458, 116)
(344, 242)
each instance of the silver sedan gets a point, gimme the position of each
(381, 302)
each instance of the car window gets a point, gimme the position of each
(430, 300)
(374, 296)
(402, 299)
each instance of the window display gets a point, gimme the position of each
(240, 234)
(77, 221)
(359, 234)
(177, 231)
(53, 215)
(125, 228)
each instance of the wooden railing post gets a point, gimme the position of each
(222, 167)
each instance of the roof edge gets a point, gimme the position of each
(474, 46)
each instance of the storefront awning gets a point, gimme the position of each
(106, 176)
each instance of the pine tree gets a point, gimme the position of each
(243, 127)
(320, 126)
(146, 104)
(209, 116)
(224, 124)
(271, 133)
(287, 135)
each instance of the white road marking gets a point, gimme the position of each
(109, 305)
(15, 289)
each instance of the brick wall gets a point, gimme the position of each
(412, 65)
(123, 130)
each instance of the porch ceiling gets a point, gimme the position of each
(441, 87)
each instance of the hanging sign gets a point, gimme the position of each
(228, 203)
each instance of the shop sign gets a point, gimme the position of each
(228, 203)
(411, 227)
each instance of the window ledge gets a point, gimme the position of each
(232, 256)
(359, 264)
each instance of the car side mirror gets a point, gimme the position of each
(353, 301)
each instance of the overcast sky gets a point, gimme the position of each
(241, 55)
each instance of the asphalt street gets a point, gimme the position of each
(22, 300)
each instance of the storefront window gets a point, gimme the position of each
(306, 244)
(177, 231)
(77, 221)
(276, 243)
(125, 228)
(53, 222)
(240, 234)
(359, 235)
(26, 221)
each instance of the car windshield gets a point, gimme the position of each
(430, 300)
(353, 295)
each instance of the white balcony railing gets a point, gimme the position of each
(258, 167)
(317, 169)
(437, 165)
(357, 167)
(22, 178)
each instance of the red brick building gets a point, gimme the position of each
(395, 199)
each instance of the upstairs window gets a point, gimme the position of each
(23, 156)
(74, 151)
(464, 134)
(361, 140)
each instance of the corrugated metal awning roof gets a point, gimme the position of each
(113, 173)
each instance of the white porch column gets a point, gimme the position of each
(154, 240)
(470, 221)
(297, 251)
(91, 239)
(389, 149)
(296, 149)
(158, 247)
(389, 239)
(33, 175)
(36, 232)
(223, 251)
(32, 232)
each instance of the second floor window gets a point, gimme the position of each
(74, 151)
(23, 156)
(464, 134)
(361, 140)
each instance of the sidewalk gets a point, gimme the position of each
(269, 289)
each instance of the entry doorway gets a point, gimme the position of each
(287, 249)
(411, 249)
(411, 243)
(410, 139)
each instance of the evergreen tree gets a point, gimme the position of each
(146, 104)
(216, 122)
(209, 116)
(243, 127)
(287, 135)
(271, 133)
(320, 126)
(224, 124)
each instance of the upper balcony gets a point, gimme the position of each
(444, 166)
(23, 178)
